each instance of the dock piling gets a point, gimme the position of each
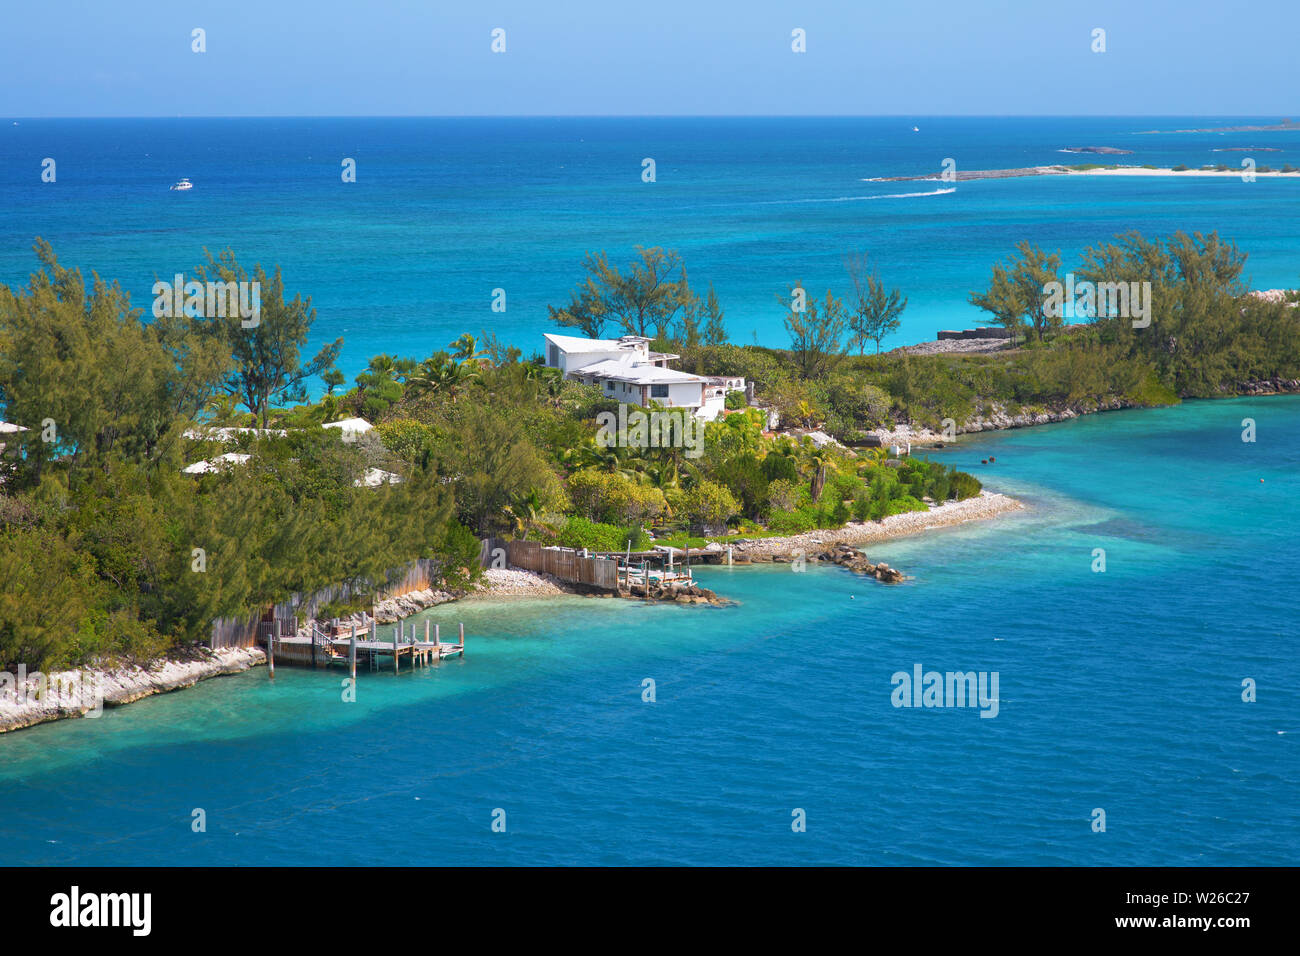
(352, 656)
(270, 649)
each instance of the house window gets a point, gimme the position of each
(609, 384)
(658, 391)
(553, 355)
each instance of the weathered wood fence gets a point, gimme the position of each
(243, 631)
(565, 564)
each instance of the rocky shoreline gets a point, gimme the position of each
(1270, 386)
(392, 610)
(24, 702)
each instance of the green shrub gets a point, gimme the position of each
(904, 504)
(597, 536)
(965, 485)
(791, 522)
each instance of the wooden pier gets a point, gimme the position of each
(349, 646)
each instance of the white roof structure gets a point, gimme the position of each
(9, 428)
(820, 439)
(354, 426)
(228, 432)
(575, 343)
(374, 477)
(638, 374)
(216, 464)
(634, 347)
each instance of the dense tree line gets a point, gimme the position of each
(106, 547)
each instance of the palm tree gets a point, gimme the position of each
(614, 459)
(525, 513)
(816, 461)
(463, 349)
(382, 368)
(663, 474)
(440, 372)
(223, 407)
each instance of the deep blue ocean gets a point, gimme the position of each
(1119, 690)
(445, 210)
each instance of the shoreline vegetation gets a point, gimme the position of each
(118, 549)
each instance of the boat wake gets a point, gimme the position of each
(933, 192)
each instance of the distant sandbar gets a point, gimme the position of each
(971, 174)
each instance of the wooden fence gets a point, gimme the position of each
(243, 631)
(565, 564)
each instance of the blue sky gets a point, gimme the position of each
(676, 57)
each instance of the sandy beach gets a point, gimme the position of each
(983, 506)
(516, 582)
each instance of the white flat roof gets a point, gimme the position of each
(637, 374)
(350, 425)
(215, 464)
(576, 343)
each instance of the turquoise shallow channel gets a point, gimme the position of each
(1119, 690)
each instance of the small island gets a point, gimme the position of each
(209, 507)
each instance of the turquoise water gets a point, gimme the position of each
(1118, 690)
(443, 211)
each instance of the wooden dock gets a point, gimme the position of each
(326, 647)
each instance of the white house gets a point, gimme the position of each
(628, 371)
(570, 352)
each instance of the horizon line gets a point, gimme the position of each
(784, 116)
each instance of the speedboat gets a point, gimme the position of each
(182, 185)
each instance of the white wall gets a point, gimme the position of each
(679, 394)
(572, 361)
